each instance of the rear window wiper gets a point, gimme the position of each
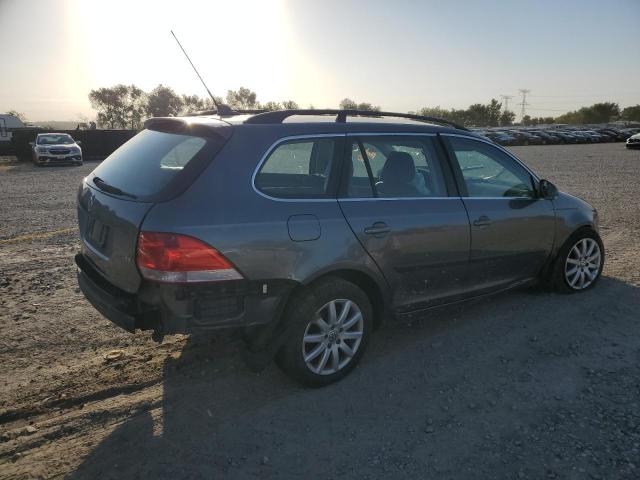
(104, 186)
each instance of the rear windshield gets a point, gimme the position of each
(153, 165)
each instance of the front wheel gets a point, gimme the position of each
(579, 263)
(331, 324)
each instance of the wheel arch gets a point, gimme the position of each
(375, 287)
(568, 237)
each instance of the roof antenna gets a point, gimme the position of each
(222, 109)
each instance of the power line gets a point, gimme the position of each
(505, 100)
(593, 95)
(523, 103)
(547, 109)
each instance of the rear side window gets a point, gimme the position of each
(298, 169)
(152, 163)
(395, 167)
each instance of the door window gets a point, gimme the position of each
(490, 172)
(298, 169)
(394, 167)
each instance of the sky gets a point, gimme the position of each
(399, 54)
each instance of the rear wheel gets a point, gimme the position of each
(579, 263)
(331, 324)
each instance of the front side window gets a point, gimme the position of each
(394, 167)
(489, 172)
(298, 169)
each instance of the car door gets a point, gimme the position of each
(402, 205)
(512, 228)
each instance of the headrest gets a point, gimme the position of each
(399, 168)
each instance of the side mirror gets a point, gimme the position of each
(78, 142)
(547, 190)
(32, 143)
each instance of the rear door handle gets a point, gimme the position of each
(483, 221)
(378, 228)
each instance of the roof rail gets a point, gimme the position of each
(278, 116)
(226, 113)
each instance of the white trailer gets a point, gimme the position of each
(8, 123)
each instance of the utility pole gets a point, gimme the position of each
(505, 101)
(523, 103)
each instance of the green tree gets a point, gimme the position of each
(597, 113)
(434, 112)
(163, 102)
(348, 104)
(242, 99)
(119, 106)
(21, 116)
(290, 105)
(136, 104)
(493, 113)
(453, 115)
(526, 120)
(477, 115)
(271, 106)
(601, 112)
(631, 113)
(194, 103)
(570, 117)
(507, 118)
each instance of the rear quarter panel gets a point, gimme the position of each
(222, 208)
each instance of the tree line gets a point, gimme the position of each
(127, 106)
(476, 115)
(492, 115)
(600, 113)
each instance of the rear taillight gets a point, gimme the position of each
(174, 258)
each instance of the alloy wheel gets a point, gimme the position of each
(332, 339)
(583, 263)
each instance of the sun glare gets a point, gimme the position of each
(232, 44)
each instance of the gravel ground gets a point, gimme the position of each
(522, 385)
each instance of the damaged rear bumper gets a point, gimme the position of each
(184, 308)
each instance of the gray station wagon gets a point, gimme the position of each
(305, 229)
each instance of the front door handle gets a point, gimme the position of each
(378, 228)
(481, 222)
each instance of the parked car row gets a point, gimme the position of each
(557, 135)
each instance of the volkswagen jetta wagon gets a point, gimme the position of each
(305, 229)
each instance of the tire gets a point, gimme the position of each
(572, 271)
(324, 342)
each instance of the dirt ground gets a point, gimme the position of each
(527, 384)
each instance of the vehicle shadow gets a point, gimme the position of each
(429, 393)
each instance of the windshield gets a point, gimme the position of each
(153, 161)
(55, 139)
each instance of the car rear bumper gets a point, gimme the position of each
(113, 307)
(169, 308)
